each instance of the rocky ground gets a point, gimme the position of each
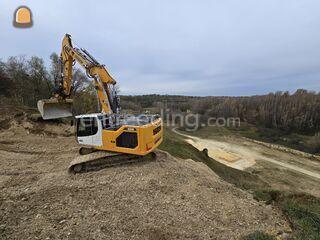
(166, 198)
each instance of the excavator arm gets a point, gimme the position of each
(60, 105)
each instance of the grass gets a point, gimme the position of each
(302, 210)
(177, 147)
(292, 140)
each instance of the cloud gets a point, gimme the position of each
(181, 47)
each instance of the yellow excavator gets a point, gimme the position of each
(107, 138)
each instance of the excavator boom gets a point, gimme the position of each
(61, 103)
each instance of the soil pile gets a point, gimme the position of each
(167, 198)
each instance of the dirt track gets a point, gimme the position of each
(247, 155)
(163, 199)
(280, 169)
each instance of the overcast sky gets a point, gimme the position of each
(206, 47)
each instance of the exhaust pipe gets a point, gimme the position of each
(54, 108)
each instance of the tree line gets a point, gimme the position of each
(296, 112)
(26, 80)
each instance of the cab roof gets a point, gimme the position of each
(90, 115)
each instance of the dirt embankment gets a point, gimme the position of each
(281, 169)
(167, 198)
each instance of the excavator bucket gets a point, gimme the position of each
(54, 108)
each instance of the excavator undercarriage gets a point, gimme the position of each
(98, 160)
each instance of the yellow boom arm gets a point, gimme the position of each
(60, 105)
(94, 69)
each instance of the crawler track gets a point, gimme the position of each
(98, 160)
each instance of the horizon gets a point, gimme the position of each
(235, 96)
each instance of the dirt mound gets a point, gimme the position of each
(167, 198)
(23, 119)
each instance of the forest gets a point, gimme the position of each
(23, 81)
(298, 112)
(26, 80)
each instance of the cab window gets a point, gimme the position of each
(87, 126)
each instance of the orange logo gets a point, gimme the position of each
(22, 17)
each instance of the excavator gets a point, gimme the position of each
(108, 137)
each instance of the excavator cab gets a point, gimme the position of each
(133, 135)
(89, 130)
